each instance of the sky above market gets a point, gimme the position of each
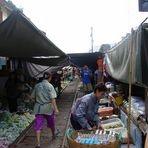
(67, 23)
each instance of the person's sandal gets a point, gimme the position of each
(53, 137)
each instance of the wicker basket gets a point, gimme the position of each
(71, 135)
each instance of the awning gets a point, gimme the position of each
(89, 59)
(20, 38)
(118, 59)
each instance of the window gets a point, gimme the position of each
(143, 5)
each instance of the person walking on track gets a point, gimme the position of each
(86, 75)
(45, 106)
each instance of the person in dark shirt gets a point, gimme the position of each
(56, 82)
(12, 90)
(98, 76)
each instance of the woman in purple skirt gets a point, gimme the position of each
(45, 106)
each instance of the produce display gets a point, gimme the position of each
(12, 122)
(64, 84)
(25, 103)
(112, 124)
(115, 125)
(116, 97)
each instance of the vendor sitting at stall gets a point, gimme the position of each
(84, 113)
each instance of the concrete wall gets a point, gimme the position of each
(5, 13)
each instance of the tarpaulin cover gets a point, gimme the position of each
(89, 59)
(144, 53)
(37, 71)
(118, 59)
(20, 38)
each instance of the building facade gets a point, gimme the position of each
(6, 7)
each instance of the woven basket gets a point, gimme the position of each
(71, 135)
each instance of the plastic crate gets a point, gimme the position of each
(106, 111)
(112, 123)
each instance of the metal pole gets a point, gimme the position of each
(130, 87)
(91, 35)
(144, 21)
(41, 72)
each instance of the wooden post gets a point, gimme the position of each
(130, 87)
(146, 103)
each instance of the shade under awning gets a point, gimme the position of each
(61, 61)
(37, 71)
(19, 38)
(89, 59)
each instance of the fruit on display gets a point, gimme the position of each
(12, 122)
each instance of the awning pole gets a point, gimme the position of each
(130, 87)
(41, 72)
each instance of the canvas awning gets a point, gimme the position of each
(20, 38)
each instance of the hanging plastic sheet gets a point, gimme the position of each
(144, 53)
(37, 71)
(118, 59)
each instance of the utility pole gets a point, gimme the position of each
(91, 35)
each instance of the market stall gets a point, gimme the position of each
(21, 45)
(127, 65)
